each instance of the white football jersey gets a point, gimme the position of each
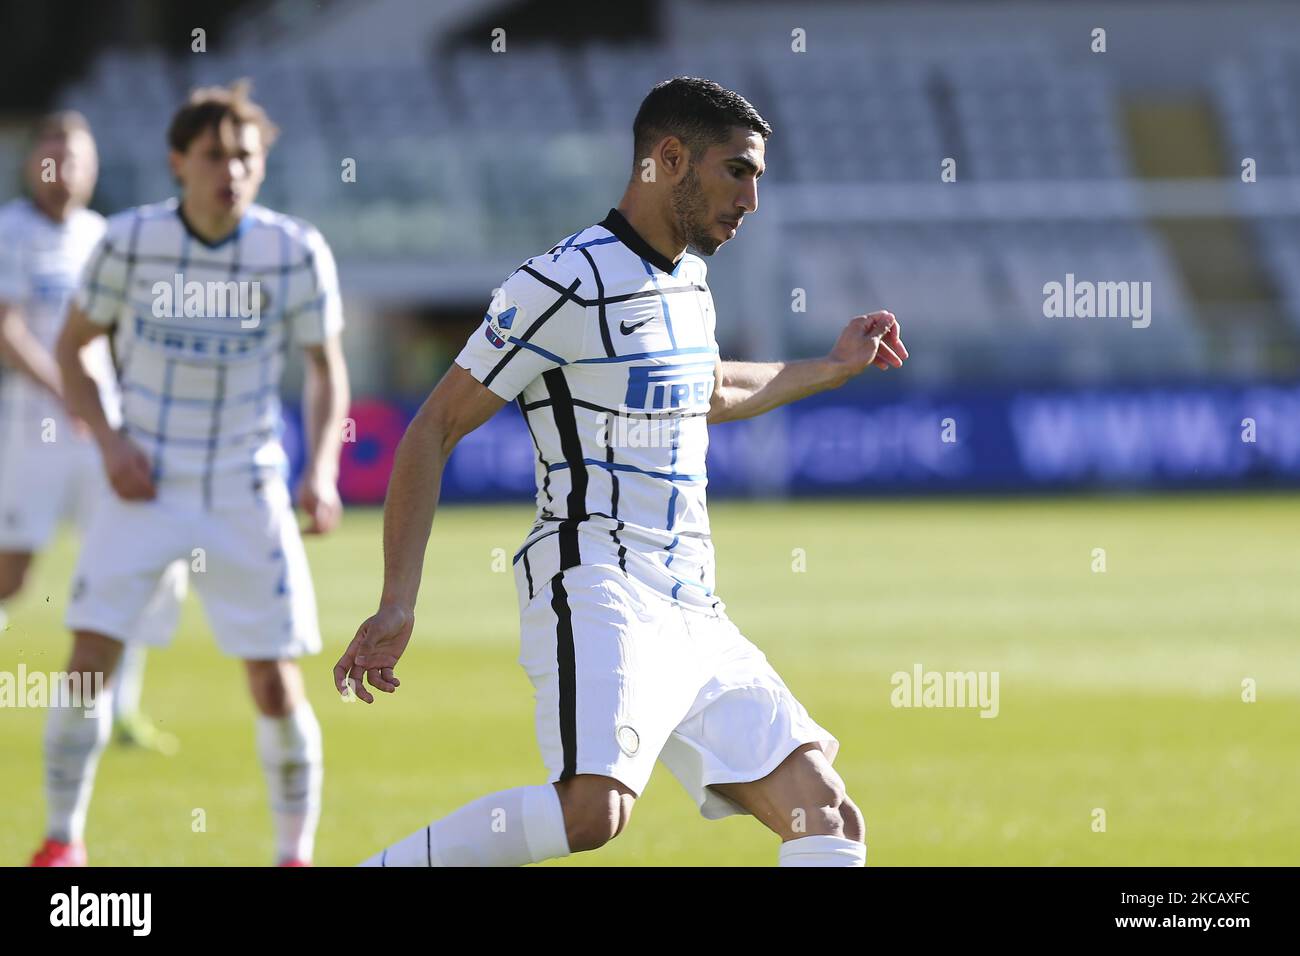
(40, 266)
(608, 348)
(200, 332)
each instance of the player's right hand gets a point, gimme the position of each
(374, 652)
(128, 468)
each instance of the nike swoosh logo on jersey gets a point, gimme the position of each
(629, 329)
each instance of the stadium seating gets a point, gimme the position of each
(485, 156)
(1258, 102)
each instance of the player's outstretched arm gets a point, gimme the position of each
(128, 468)
(325, 398)
(746, 389)
(458, 405)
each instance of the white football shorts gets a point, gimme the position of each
(247, 564)
(624, 676)
(44, 483)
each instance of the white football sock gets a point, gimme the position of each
(506, 828)
(130, 678)
(822, 851)
(290, 751)
(74, 739)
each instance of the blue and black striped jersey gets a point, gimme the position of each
(608, 348)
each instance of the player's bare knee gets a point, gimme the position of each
(818, 806)
(596, 809)
(275, 686)
(813, 821)
(592, 822)
(853, 825)
(625, 803)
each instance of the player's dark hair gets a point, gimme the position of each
(220, 108)
(699, 112)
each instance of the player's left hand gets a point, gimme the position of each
(872, 339)
(319, 500)
(374, 652)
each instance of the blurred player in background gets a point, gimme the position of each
(48, 467)
(628, 647)
(198, 468)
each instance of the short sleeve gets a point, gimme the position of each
(536, 322)
(12, 283)
(103, 284)
(315, 309)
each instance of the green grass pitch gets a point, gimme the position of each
(1119, 690)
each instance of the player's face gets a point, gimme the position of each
(718, 189)
(62, 170)
(222, 170)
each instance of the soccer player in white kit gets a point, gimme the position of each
(203, 297)
(48, 467)
(608, 336)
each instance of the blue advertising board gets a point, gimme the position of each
(864, 441)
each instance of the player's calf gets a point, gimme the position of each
(596, 809)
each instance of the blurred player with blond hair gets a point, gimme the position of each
(198, 467)
(48, 470)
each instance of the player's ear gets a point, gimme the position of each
(673, 156)
(174, 163)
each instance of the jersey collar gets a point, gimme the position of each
(233, 234)
(617, 223)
